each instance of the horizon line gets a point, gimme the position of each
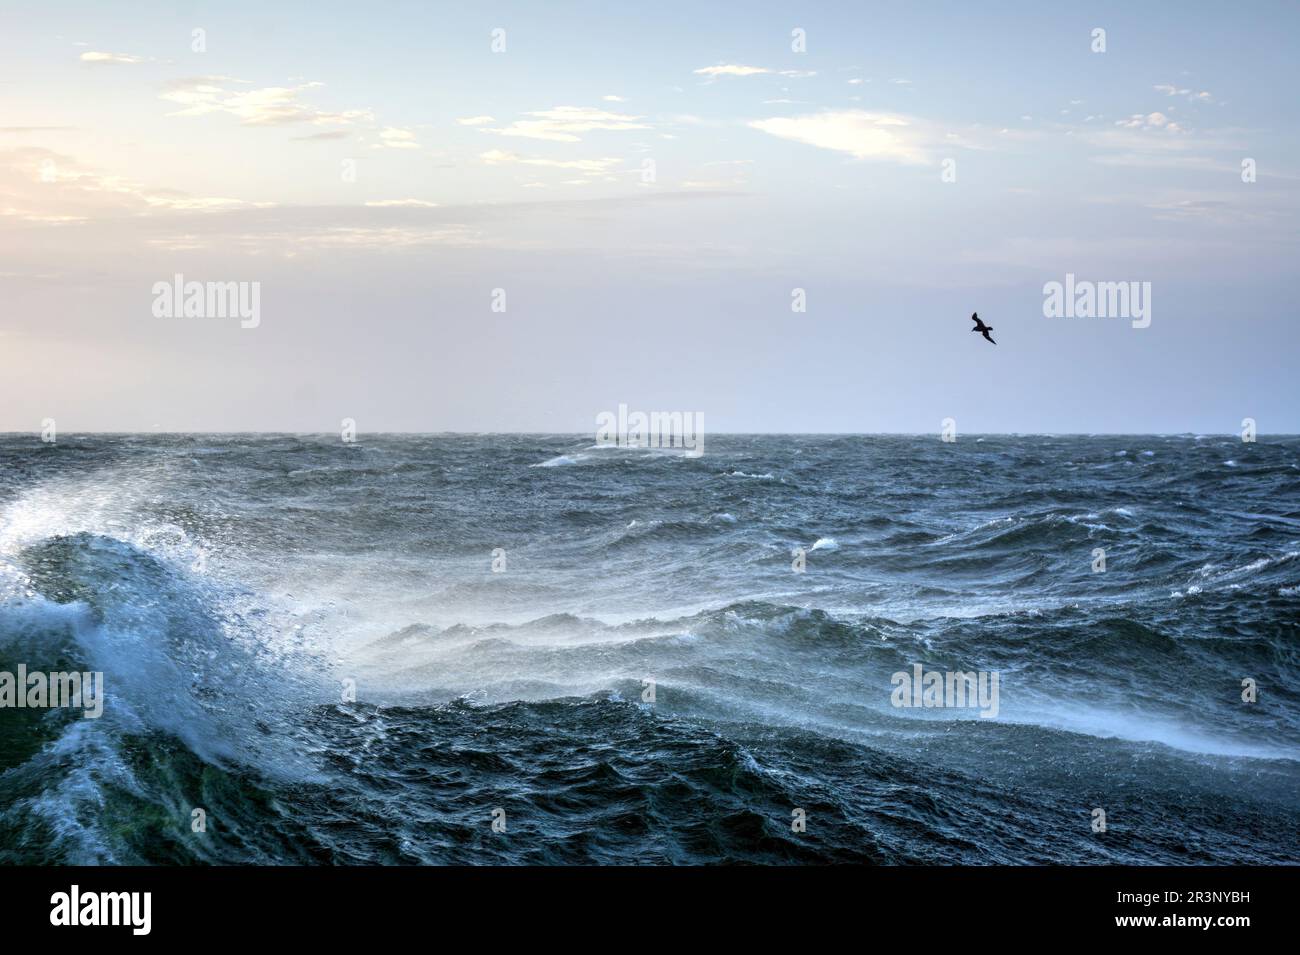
(796, 434)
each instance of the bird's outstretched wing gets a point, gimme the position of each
(975, 317)
(988, 336)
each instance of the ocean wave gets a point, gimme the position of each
(649, 678)
(181, 660)
(561, 460)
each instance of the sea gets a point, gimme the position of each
(532, 649)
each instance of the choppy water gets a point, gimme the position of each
(227, 585)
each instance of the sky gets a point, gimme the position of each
(515, 217)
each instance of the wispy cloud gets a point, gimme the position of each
(327, 135)
(395, 137)
(1170, 89)
(268, 106)
(1150, 121)
(401, 204)
(1147, 145)
(43, 186)
(734, 69)
(561, 124)
(382, 226)
(859, 133)
(112, 59)
(500, 156)
(476, 120)
(731, 69)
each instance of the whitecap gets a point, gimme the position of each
(560, 461)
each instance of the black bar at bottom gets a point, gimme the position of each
(213, 905)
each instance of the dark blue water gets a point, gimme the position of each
(229, 587)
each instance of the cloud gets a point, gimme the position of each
(1108, 255)
(1149, 121)
(112, 59)
(1220, 209)
(45, 187)
(1169, 89)
(68, 226)
(861, 134)
(1131, 144)
(1183, 209)
(395, 137)
(331, 134)
(561, 123)
(268, 106)
(476, 120)
(500, 156)
(732, 69)
(377, 238)
(734, 168)
(613, 99)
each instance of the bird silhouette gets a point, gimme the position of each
(981, 327)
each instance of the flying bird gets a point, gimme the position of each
(981, 327)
